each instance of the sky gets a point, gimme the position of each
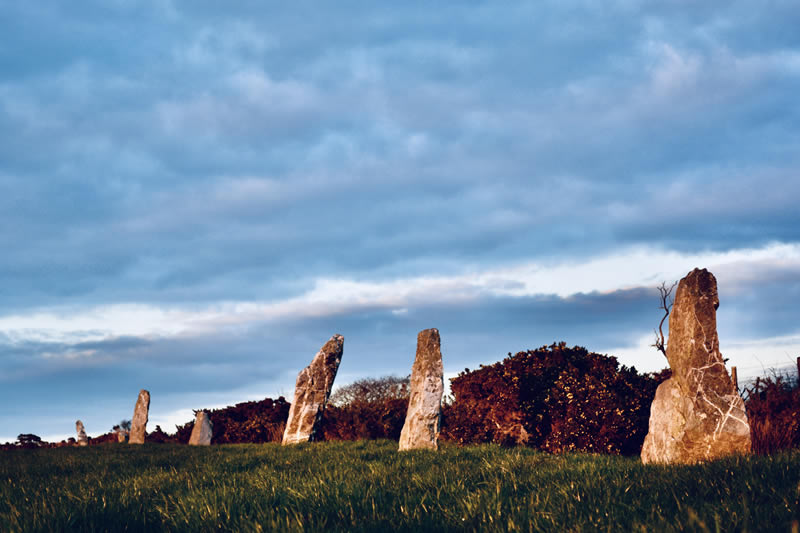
(194, 196)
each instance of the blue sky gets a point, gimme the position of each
(195, 197)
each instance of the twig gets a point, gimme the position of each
(665, 294)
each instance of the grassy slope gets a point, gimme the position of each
(369, 486)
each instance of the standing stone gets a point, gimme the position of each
(201, 432)
(421, 429)
(311, 392)
(122, 436)
(83, 440)
(697, 414)
(139, 421)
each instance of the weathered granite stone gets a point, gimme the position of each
(311, 392)
(201, 432)
(139, 421)
(697, 414)
(122, 436)
(421, 429)
(83, 440)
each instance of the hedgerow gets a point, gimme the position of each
(773, 411)
(554, 398)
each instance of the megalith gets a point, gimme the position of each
(311, 392)
(697, 414)
(201, 432)
(83, 440)
(423, 417)
(139, 421)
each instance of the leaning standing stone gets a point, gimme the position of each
(697, 414)
(421, 429)
(201, 432)
(139, 421)
(311, 392)
(83, 440)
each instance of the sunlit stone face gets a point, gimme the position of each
(697, 414)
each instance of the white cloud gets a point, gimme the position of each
(757, 357)
(638, 267)
(224, 46)
(752, 357)
(262, 91)
(674, 71)
(170, 419)
(247, 103)
(98, 323)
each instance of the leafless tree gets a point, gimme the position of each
(370, 390)
(665, 294)
(124, 425)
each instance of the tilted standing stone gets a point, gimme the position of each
(83, 440)
(311, 392)
(139, 421)
(201, 432)
(697, 414)
(421, 429)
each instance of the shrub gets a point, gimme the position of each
(158, 435)
(29, 440)
(367, 421)
(370, 390)
(373, 408)
(261, 421)
(773, 411)
(554, 398)
(105, 438)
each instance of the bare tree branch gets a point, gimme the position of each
(665, 294)
(370, 390)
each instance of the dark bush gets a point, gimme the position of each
(158, 435)
(261, 421)
(29, 440)
(105, 438)
(373, 408)
(773, 411)
(374, 420)
(554, 398)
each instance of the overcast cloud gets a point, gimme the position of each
(194, 197)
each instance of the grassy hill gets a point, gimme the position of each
(368, 486)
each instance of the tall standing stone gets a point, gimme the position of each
(421, 429)
(697, 414)
(83, 440)
(311, 392)
(201, 432)
(139, 421)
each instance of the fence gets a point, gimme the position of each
(745, 376)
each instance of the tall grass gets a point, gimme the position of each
(368, 486)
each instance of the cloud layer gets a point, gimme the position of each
(195, 197)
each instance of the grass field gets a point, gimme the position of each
(368, 486)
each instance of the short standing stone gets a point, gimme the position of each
(83, 440)
(140, 415)
(697, 414)
(311, 392)
(201, 432)
(122, 436)
(421, 429)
